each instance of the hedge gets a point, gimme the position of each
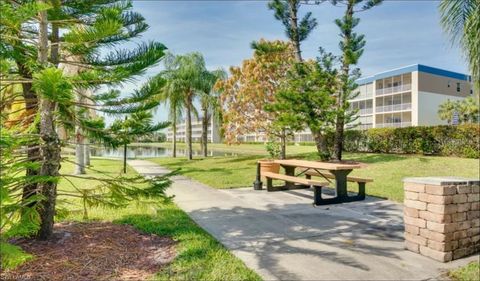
(461, 141)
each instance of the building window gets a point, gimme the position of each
(458, 87)
(448, 85)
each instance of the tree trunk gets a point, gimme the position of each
(321, 144)
(33, 154)
(50, 151)
(338, 143)
(49, 168)
(87, 151)
(174, 124)
(79, 152)
(79, 139)
(205, 120)
(283, 145)
(188, 133)
(340, 120)
(294, 25)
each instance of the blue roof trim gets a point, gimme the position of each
(365, 80)
(412, 68)
(442, 72)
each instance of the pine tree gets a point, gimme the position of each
(56, 33)
(297, 31)
(305, 99)
(351, 46)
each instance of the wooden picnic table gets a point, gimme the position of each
(339, 170)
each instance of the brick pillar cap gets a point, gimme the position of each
(443, 180)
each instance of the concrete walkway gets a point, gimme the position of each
(281, 235)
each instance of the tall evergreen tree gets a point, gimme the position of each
(306, 100)
(76, 33)
(351, 46)
(297, 31)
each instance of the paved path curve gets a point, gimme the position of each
(282, 236)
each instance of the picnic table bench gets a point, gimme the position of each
(297, 181)
(337, 171)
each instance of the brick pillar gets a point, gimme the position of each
(442, 217)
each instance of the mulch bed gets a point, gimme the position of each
(94, 251)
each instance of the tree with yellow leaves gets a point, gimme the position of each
(251, 87)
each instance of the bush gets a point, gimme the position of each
(461, 141)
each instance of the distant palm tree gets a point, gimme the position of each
(446, 110)
(469, 110)
(209, 102)
(173, 98)
(461, 20)
(185, 78)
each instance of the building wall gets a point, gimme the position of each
(407, 96)
(443, 85)
(213, 133)
(415, 78)
(428, 108)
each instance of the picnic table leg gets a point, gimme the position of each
(341, 183)
(361, 190)
(289, 171)
(257, 184)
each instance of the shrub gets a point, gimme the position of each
(461, 141)
(380, 140)
(273, 149)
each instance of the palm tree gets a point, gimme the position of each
(184, 75)
(446, 111)
(174, 100)
(461, 20)
(209, 102)
(468, 109)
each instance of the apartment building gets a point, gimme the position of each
(213, 132)
(407, 96)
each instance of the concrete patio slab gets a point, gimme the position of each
(282, 236)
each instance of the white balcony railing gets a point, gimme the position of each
(365, 111)
(393, 107)
(391, 90)
(394, 125)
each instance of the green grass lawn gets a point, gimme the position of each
(469, 272)
(387, 170)
(199, 255)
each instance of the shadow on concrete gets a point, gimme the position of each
(337, 235)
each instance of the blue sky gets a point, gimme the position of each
(398, 33)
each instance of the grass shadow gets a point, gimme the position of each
(199, 255)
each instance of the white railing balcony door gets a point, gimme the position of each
(365, 111)
(393, 107)
(396, 89)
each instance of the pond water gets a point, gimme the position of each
(150, 152)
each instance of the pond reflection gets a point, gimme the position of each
(150, 152)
